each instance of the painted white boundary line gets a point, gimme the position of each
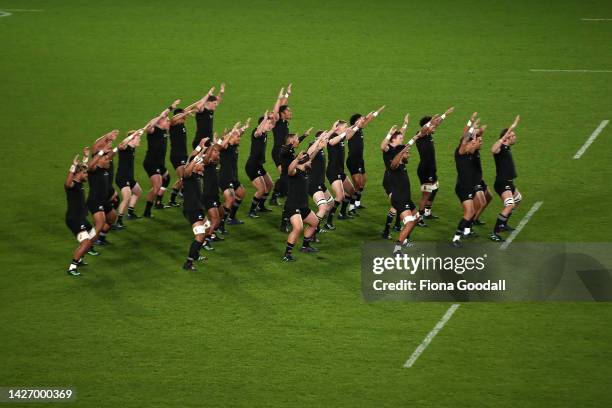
(33, 10)
(5, 13)
(9, 12)
(596, 19)
(419, 350)
(591, 139)
(521, 225)
(573, 70)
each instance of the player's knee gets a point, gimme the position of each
(517, 197)
(408, 218)
(509, 202)
(199, 231)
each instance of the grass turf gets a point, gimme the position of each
(247, 329)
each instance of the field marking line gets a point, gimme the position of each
(573, 70)
(591, 138)
(5, 14)
(439, 326)
(20, 10)
(596, 19)
(521, 225)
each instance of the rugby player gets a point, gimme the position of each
(193, 210)
(354, 161)
(467, 179)
(254, 168)
(210, 192)
(178, 148)
(128, 186)
(99, 197)
(296, 206)
(427, 169)
(505, 173)
(482, 196)
(155, 158)
(316, 182)
(282, 115)
(76, 213)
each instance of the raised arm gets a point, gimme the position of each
(69, 183)
(504, 139)
(221, 93)
(150, 126)
(294, 163)
(278, 103)
(384, 145)
(199, 104)
(370, 117)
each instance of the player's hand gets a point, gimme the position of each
(75, 161)
(210, 91)
(516, 122)
(175, 103)
(204, 142)
(449, 111)
(289, 89)
(473, 117)
(382, 108)
(281, 93)
(222, 88)
(307, 132)
(86, 151)
(407, 119)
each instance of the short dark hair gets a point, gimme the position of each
(424, 120)
(290, 135)
(211, 98)
(503, 132)
(319, 133)
(395, 134)
(261, 118)
(354, 118)
(177, 111)
(282, 108)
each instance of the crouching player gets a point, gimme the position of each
(505, 173)
(193, 209)
(76, 214)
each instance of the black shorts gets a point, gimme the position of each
(386, 183)
(97, 207)
(254, 170)
(355, 165)
(316, 187)
(225, 184)
(125, 182)
(178, 161)
(427, 176)
(464, 193)
(153, 169)
(211, 202)
(502, 186)
(194, 216)
(482, 186)
(331, 177)
(77, 226)
(402, 204)
(303, 211)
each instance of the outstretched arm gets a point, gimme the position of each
(384, 145)
(505, 138)
(69, 183)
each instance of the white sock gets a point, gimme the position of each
(357, 203)
(351, 207)
(427, 212)
(467, 230)
(456, 238)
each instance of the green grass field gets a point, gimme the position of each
(247, 329)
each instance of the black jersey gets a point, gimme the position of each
(398, 178)
(504, 164)
(297, 195)
(280, 132)
(390, 154)
(258, 148)
(228, 159)
(111, 175)
(317, 169)
(427, 153)
(335, 155)
(99, 185)
(157, 144)
(477, 165)
(211, 181)
(75, 196)
(355, 145)
(178, 141)
(466, 171)
(125, 170)
(204, 126)
(287, 154)
(192, 192)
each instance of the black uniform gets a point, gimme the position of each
(76, 214)
(480, 185)
(316, 180)
(125, 170)
(355, 163)
(178, 145)
(228, 175)
(287, 155)
(427, 170)
(387, 159)
(399, 184)
(210, 192)
(466, 176)
(280, 132)
(335, 165)
(99, 187)
(193, 209)
(155, 159)
(505, 172)
(297, 194)
(257, 157)
(204, 126)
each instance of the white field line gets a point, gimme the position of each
(573, 70)
(5, 13)
(9, 12)
(521, 225)
(20, 10)
(591, 139)
(596, 19)
(439, 326)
